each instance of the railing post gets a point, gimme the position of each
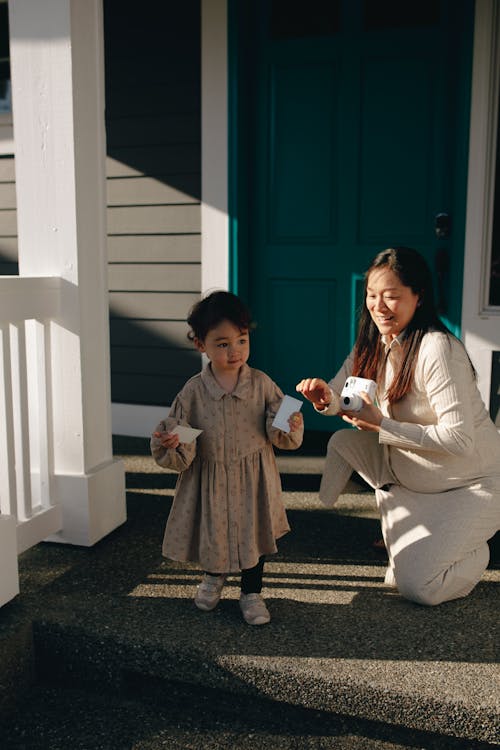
(9, 578)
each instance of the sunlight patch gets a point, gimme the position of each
(312, 583)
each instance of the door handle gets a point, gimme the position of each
(442, 225)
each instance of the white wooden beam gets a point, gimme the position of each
(214, 146)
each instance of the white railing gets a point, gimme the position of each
(29, 308)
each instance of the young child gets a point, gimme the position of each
(227, 511)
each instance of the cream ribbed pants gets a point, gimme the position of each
(437, 543)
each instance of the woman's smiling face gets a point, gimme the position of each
(390, 304)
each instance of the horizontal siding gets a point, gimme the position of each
(8, 223)
(154, 248)
(160, 361)
(151, 306)
(137, 161)
(8, 269)
(8, 249)
(148, 191)
(128, 388)
(150, 333)
(7, 169)
(153, 131)
(154, 277)
(8, 218)
(7, 195)
(154, 219)
(167, 97)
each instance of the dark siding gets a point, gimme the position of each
(8, 221)
(153, 135)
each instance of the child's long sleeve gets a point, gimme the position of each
(286, 440)
(279, 438)
(180, 458)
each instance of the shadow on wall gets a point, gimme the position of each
(7, 266)
(147, 368)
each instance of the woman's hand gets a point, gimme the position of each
(368, 418)
(167, 439)
(315, 390)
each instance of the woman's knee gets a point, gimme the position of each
(431, 588)
(427, 593)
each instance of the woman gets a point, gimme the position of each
(429, 449)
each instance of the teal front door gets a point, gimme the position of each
(355, 134)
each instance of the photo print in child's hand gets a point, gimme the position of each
(186, 434)
(288, 406)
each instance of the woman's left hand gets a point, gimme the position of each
(367, 418)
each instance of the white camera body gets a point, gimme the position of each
(350, 400)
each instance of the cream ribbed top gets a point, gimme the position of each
(440, 436)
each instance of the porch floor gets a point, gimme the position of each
(344, 655)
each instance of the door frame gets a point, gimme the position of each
(481, 323)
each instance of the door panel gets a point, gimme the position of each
(396, 149)
(302, 153)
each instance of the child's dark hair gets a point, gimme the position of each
(213, 309)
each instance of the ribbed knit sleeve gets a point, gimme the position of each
(336, 385)
(443, 392)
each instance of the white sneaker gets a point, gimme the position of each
(390, 578)
(209, 591)
(254, 609)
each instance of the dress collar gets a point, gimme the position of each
(216, 392)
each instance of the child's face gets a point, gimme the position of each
(226, 346)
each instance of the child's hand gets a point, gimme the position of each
(167, 439)
(295, 421)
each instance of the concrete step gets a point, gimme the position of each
(340, 642)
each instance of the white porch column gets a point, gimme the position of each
(59, 135)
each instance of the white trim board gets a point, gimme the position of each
(214, 147)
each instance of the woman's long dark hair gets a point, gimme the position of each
(369, 354)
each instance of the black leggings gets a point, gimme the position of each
(251, 578)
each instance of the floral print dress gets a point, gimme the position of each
(227, 510)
